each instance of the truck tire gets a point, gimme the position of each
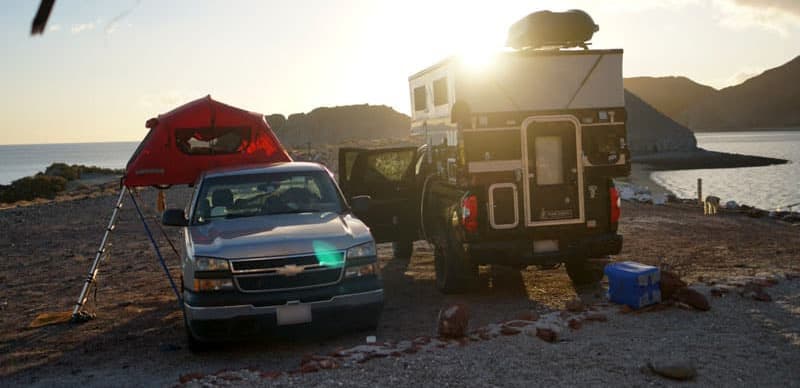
(455, 273)
(402, 249)
(584, 273)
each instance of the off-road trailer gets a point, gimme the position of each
(516, 169)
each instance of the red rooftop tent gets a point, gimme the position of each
(181, 144)
(199, 136)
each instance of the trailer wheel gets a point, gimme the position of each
(583, 272)
(455, 273)
(402, 249)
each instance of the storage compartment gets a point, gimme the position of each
(633, 284)
(503, 206)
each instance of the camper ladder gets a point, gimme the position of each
(100, 252)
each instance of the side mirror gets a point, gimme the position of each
(174, 217)
(360, 203)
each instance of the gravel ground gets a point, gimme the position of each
(740, 342)
(138, 339)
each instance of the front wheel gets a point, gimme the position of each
(584, 273)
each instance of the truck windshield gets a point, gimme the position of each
(266, 194)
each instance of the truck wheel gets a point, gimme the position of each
(402, 249)
(455, 273)
(584, 273)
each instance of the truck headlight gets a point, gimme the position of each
(211, 264)
(362, 270)
(213, 284)
(363, 250)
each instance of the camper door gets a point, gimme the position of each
(553, 174)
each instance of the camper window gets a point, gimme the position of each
(440, 91)
(212, 141)
(420, 102)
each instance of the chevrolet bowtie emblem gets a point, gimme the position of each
(290, 270)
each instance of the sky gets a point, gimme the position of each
(103, 68)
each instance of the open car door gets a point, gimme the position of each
(386, 175)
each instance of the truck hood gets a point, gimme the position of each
(276, 235)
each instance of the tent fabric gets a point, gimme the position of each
(198, 136)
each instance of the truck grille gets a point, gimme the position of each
(275, 282)
(287, 273)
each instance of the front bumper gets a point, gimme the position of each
(220, 318)
(344, 302)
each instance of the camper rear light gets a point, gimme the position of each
(469, 213)
(615, 204)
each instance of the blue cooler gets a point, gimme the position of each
(633, 284)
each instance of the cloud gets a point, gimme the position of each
(778, 16)
(786, 6)
(167, 99)
(55, 27)
(78, 28)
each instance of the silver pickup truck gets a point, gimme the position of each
(271, 246)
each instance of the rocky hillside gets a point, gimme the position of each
(671, 96)
(769, 100)
(340, 124)
(650, 131)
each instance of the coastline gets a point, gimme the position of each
(643, 165)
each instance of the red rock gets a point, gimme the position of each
(693, 298)
(517, 323)
(574, 324)
(509, 330)
(670, 284)
(309, 367)
(546, 334)
(453, 321)
(422, 340)
(625, 309)
(596, 317)
(271, 375)
(528, 316)
(189, 377)
(575, 305)
(330, 363)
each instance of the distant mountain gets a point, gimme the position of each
(769, 100)
(650, 131)
(338, 124)
(671, 96)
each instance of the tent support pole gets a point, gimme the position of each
(158, 251)
(90, 278)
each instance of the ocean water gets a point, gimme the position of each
(768, 187)
(17, 161)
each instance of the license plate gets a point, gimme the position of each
(294, 314)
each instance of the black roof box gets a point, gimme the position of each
(572, 28)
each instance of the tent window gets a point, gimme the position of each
(212, 141)
(440, 91)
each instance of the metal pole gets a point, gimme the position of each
(700, 190)
(100, 251)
